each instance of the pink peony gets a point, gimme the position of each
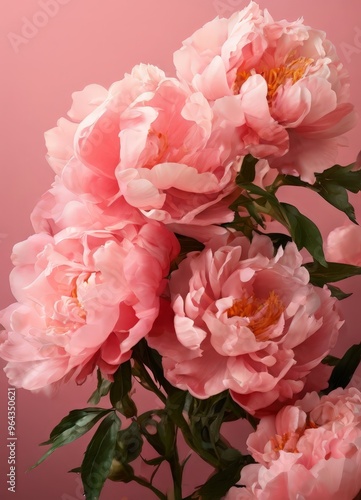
(169, 154)
(245, 320)
(65, 205)
(281, 81)
(84, 299)
(343, 245)
(60, 139)
(264, 174)
(311, 450)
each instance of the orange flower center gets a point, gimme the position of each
(285, 443)
(159, 142)
(275, 77)
(262, 314)
(80, 310)
(74, 295)
(289, 440)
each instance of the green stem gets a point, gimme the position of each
(146, 484)
(147, 382)
(181, 423)
(277, 183)
(177, 471)
(144, 356)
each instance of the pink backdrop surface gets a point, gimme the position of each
(44, 58)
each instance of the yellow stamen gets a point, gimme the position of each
(161, 143)
(275, 77)
(262, 314)
(74, 295)
(288, 441)
(282, 443)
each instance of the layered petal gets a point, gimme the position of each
(246, 320)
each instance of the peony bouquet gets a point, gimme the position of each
(162, 255)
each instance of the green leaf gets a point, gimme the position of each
(249, 189)
(206, 418)
(72, 427)
(102, 389)
(235, 412)
(219, 483)
(154, 461)
(76, 418)
(279, 239)
(291, 180)
(330, 360)
(122, 382)
(167, 434)
(145, 355)
(189, 244)
(159, 431)
(127, 407)
(254, 213)
(304, 232)
(242, 224)
(320, 275)
(337, 196)
(76, 470)
(343, 372)
(99, 456)
(178, 403)
(148, 423)
(343, 176)
(257, 201)
(332, 185)
(248, 170)
(254, 189)
(338, 293)
(120, 389)
(129, 444)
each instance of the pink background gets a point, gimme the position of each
(90, 41)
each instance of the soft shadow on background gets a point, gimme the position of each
(51, 48)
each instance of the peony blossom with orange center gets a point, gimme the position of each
(80, 302)
(310, 450)
(280, 83)
(290, 72)
(261, 314)
(245, 319)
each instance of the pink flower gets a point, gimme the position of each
(281, 81)
(265, 175)
(245, 320)
(311, 450)
(66, 205)
(59, 140)
(80, 196)
(84, 299)
(171, 155)
(343, 245)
